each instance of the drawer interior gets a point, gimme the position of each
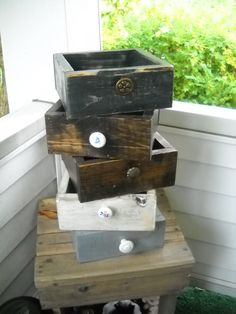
(107, 59)
(59, 109)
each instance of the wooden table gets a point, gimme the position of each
(63, 282)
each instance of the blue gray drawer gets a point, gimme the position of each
(98, 245)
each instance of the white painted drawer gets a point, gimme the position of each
(117, 213)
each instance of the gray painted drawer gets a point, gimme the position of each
(92, 245)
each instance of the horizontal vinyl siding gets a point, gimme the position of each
(204, 196)
(215, 278)
(26, 189)
(210, 230)
(202, 147)
(203, 203)
(17, 260)
(22, 223)
(21, 126)
(35, 151)
(27, 175)
(215, 255)
(221, 273)
(206, 177)
(21, 234)
(20, 285)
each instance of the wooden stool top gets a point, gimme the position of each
(62, 281)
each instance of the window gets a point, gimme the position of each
(197, 37)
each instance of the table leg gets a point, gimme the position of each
(66, 310)
(167, 304)
(56, 310)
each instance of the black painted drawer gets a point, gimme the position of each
(107, 82)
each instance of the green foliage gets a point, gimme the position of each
(3, 93)
(197, 38)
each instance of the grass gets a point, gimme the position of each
(199, 301)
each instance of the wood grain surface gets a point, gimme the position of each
(95, 179)
(127, 214)
(62, 281)
(127, 136)
(87, 82)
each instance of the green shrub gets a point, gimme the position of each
(197, 38)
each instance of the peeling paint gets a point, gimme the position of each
(81, 73)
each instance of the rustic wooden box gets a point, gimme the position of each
(106, 82)
(100, 178)
(126, 136)
(93, 246)
(131, 212)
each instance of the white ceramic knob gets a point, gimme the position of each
(126, 246)
(105, 212)
(97, 139)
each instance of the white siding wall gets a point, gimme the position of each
(27, 174)
(204, 197)
(31, 31)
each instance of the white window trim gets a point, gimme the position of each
(202, 118)
(20, 127)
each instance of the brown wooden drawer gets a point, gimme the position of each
(126, 136)
(106, 82)
(100, 178)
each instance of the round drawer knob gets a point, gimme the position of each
(133, 172)
(97, 139)
(126, 246)
(105, 212)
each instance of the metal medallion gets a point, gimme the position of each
(124, 86)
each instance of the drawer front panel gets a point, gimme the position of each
(132, 212)
(92, 246)
(152, 90)
(112, 82)
(96, 179)
(126, 136)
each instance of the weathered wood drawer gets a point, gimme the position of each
(131, 137)
(132, 212)
(100, 178)
(106, 82)
(92, 246)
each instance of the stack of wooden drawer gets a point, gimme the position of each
(105, 128)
